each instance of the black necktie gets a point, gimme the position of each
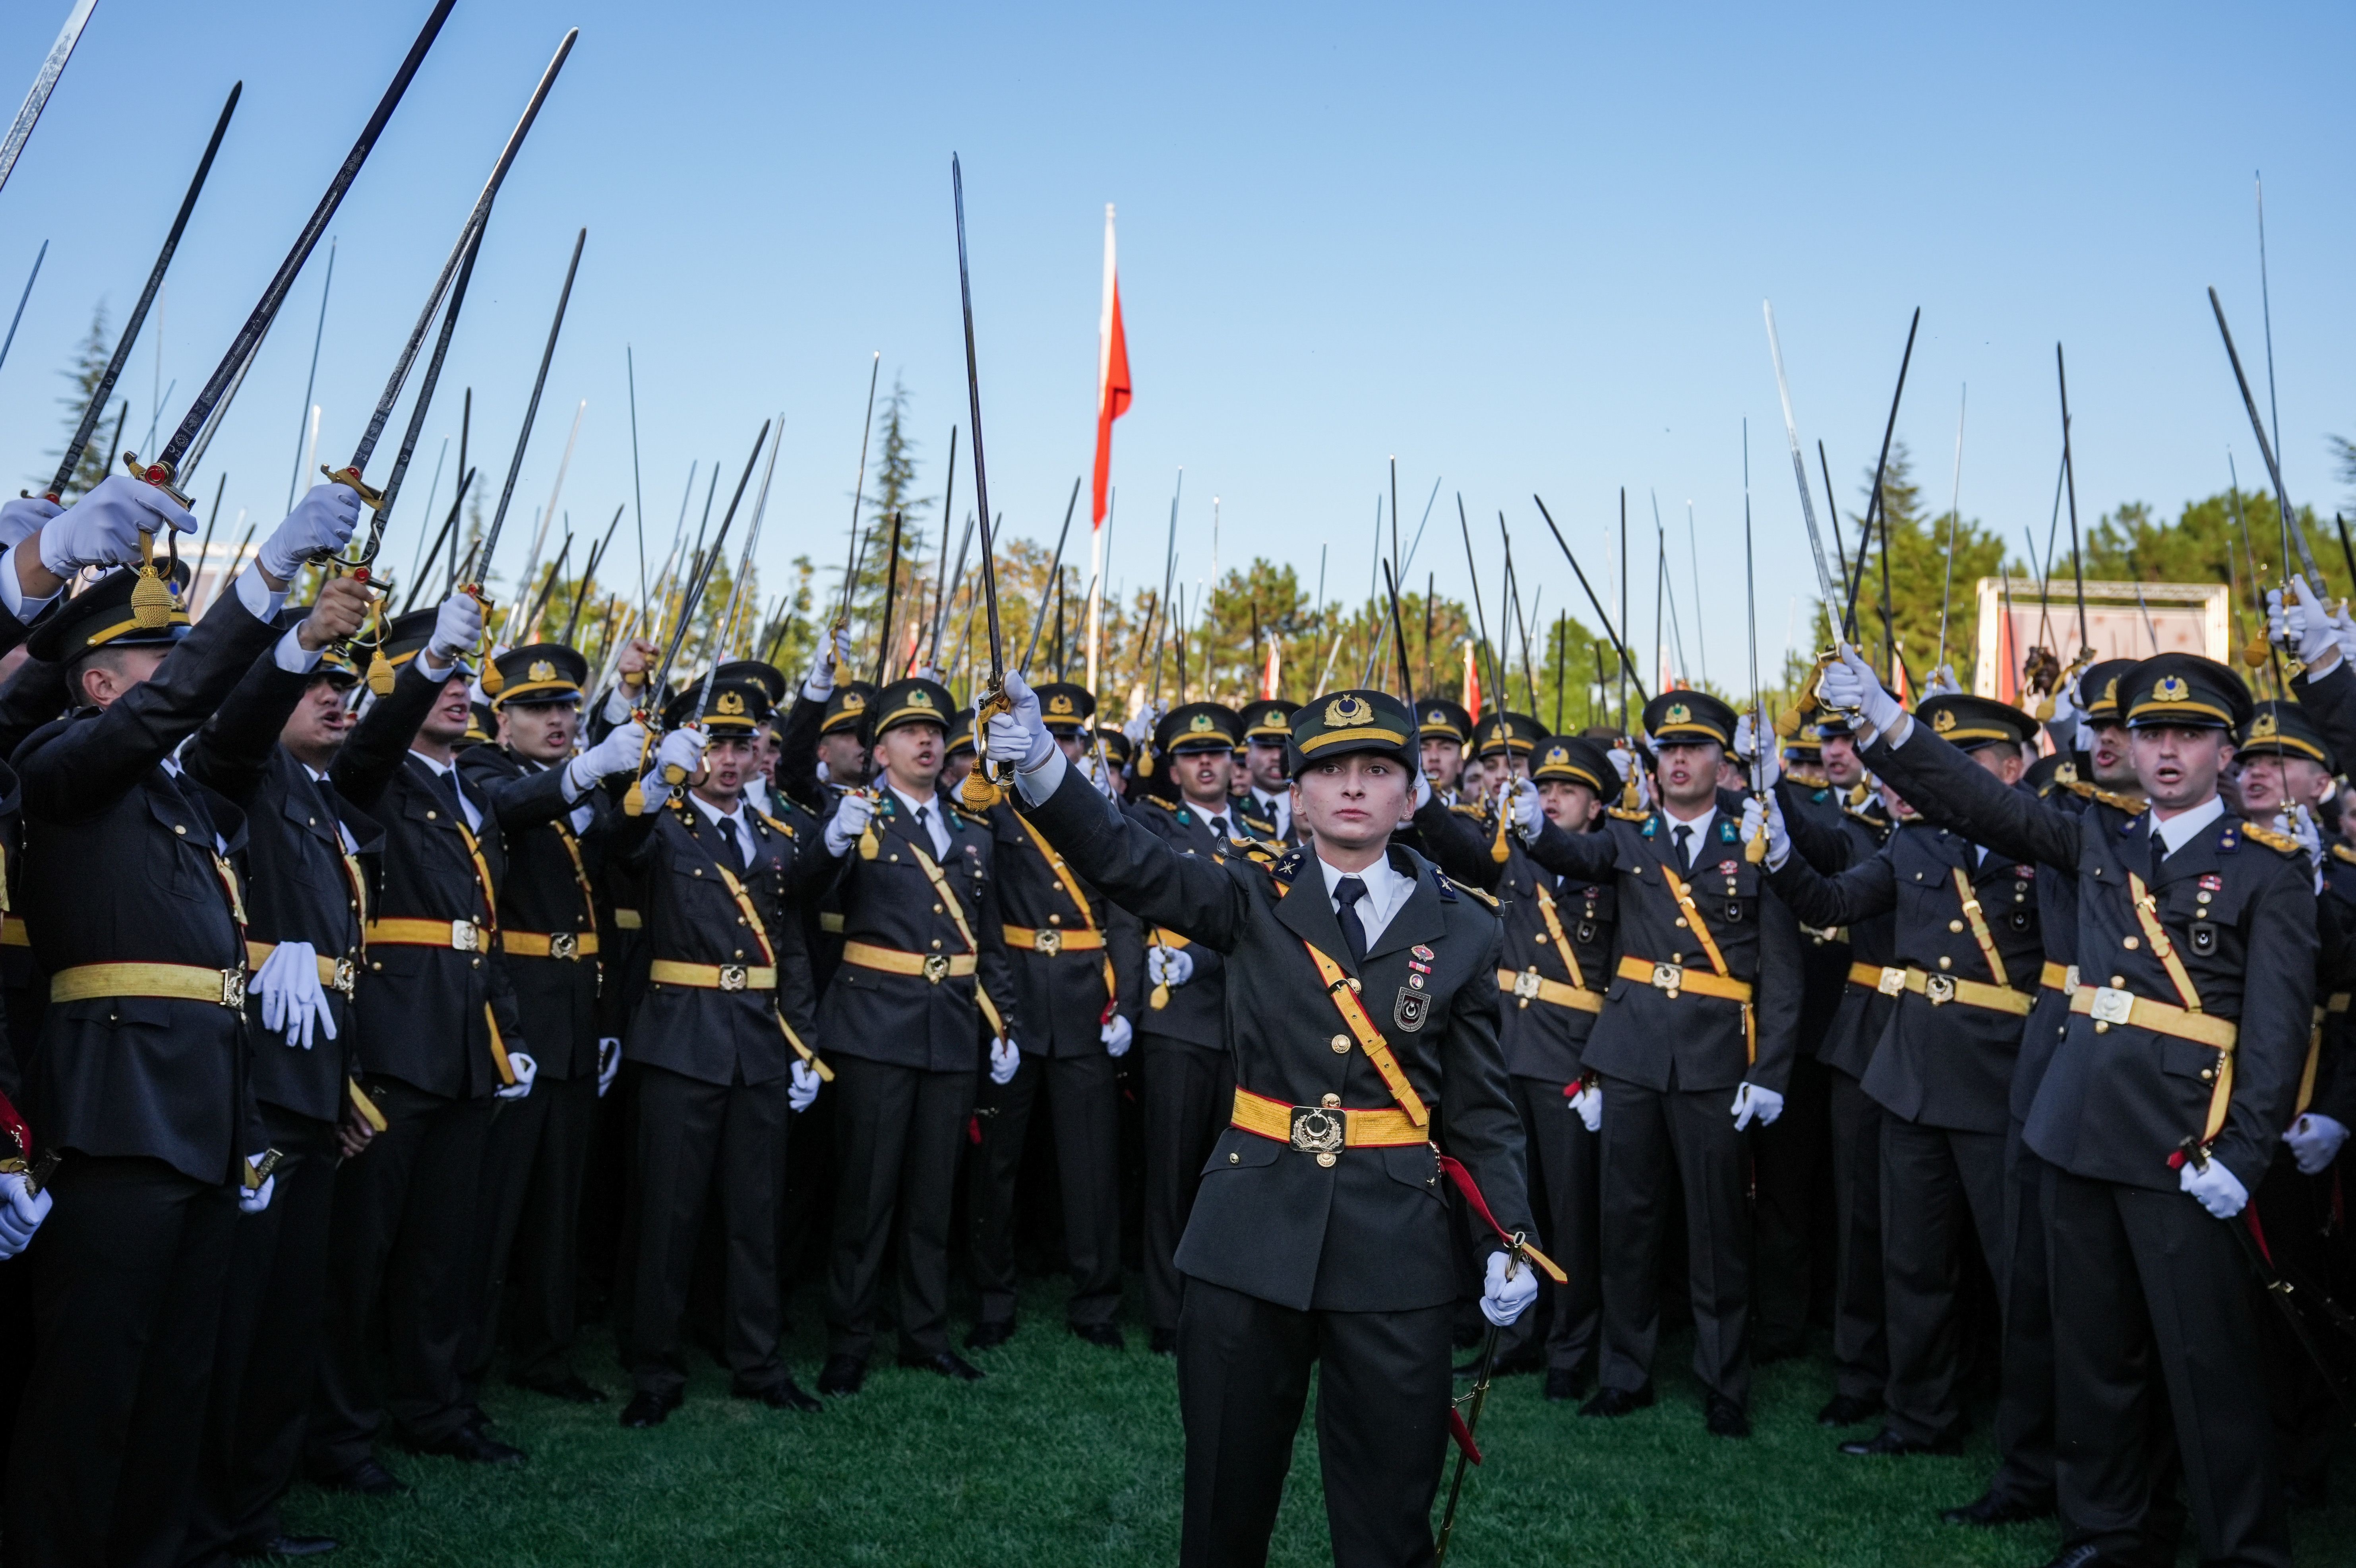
(924, 826)
(449, 781)
(1219, 831)
(2158, 854)
(1684, 835)
(1347, 893)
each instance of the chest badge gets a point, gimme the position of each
(1421, 952)
(2212, 883)
(1411, 1009)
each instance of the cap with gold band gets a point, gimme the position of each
(1967, 722)
(768, 677)
(961, 738)
(1342, 723)
(2098, 690)
(1688, 718)
(539, 673)
(848, 707)
(735, 709)
(1065, 708)
(1269, 719)
(101, 617)
(1437, 718)
(914, 702)
(1118, 751)
(1808, 745)
(1571, 759)
(405, 637)
(2186, 691)
(482, 725)
(2284, 729)
(1507, 731)
(1198, 726)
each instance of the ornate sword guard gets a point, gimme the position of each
(492, 682)
(158, 475)
(352, 479)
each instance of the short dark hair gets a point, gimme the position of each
(105, 656)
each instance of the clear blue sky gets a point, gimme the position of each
(1522, 248)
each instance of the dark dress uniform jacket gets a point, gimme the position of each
(1062, 997)
(906, 1020)
(121, 867)
(1833, 843)
(302, 889)
(1543, 1039)
(1688, 1041)
(1371, 1231)
(423, 1018)
(1948, 1063)
(546, 891)
(2117, 1101)
(714, 1035)
(1196, 1012)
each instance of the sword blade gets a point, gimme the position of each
(1799, 463)
(973, 402)
(2265, 447)
(531, 411)
(44, 84)
(1054, 568)
(686, 614)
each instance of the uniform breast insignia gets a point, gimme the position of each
(1411, 1009)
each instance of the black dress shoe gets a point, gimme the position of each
(647, 1408)
(1991, 1509)
(1725, 1418)
(989, 1335)
(1565, 1384)
(841, 1375)
(285, 1546)
(1888, 1443)
(368, 1479)
(783, 1394)
(1104, 1336)
(571, 1388)
(472, 1445)
(1165, 1342)
(1618, 1402)
(2076, 1557)
(948, 1363)
(1849, 1409)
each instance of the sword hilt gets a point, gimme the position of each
(158, 475)
(493, 681)
(350, 478)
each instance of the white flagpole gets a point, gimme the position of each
(1104, 391)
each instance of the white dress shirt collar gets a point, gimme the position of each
(931, 808)
(465, 801)
(1700, 826)
(1387, 892)
(2179, 829)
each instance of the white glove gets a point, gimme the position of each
(851, 820)
(683, 748)
(1745, 741)
(1117, 1032)
(457, 628)
(1005, 1056)
(802, 1092)
(321, 525)
(1169, 966)
(20, 519)
(1768, 766)
(1018, 734)
(1504, 1297)
(819, 684)
(1849, 682)
(1520, 801)
(255, 1200)
(1100, 776)
(2067, 708)
(2220, 1192)
(2315, 1141)
(1422, 792)
(293, 1003)
(2301, 826)
(21, 1214)
(1140, 727)
(609, 1063)
(1767, 815)
(617, 753)
(1623, 763)
(525, 1070)
(1943, 683)
(103, 528)
(1589, 1102)
(1750, 1100)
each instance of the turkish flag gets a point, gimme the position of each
(1112, 387)
(1472, 681)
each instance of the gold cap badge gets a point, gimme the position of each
(729, 702)
(1348, 711)
(2171, 688)
(1943, 721)
(541, 670)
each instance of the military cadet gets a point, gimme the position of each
(438, 1039)
(822, 746)
(1056, 934)
(1118, 755)
(1443, 729)
(552, 820)
(721, 1046)
(1965, 966)
(267, 750)
(1694, 1043)
(1320, 1233)
(1555, 965)
(1183, 1027)
(1504, 741)
(2160, 1110)
(925, 997)
(141, 1081)
(959, 759)
(1268, 729)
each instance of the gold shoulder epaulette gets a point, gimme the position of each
(1262, 849)
(1464, 809)
(1158, 801)
(2111, 798)
(2342, 851)
(975, 818)
(2281, 842)
(1626, 815)
(781, 826)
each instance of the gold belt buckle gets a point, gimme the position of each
(733, 977)
(564, 944)
(1668, 977)
(936, 968)
(1050, 943)
(1939, 988)
(466, 935)
(2113, 1007)
(1317, 1131)
(1526, 983)
(346, 975)
(1891, 982)
(233, 988)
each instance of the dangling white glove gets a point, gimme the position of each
(1020, 733)
(1587, 1099)
(21, 1213)
(802, 1092)
(1767, 815)
(617, 753)
(819, 684)
(1005, 1056)
(525, 1070)
(851, 819)
(2219, 1191)
(457, 628)
(1752, 1101)
(1505, 1297)
(1169, 966)
(23, 518)
(1849, 682)
(609, 1063)
(293, 1003)
(2314, 1141)
(103, 528)
(1117, 1034)
(321, 525)
(255, 1200)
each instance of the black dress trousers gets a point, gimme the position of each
(1942, 1191)
(900, 1128)
(1563, 1324)
(1860, 1339)
(1189, 1095)
(1083, 1109)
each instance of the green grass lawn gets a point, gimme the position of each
(1069, 1454)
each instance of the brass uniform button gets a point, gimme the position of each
(1681, 922)
(1326, 1161)
(1235, 1159)
(1946, 962)
(2118, 980)
(1331, 1101)
(2101, 1027)
(178, 828)
(1955, 925)
(2131, 944)
(1054, 919)
(1340, 1044)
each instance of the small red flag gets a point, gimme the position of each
(1112, 375)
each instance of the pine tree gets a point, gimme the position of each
(89, 365)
